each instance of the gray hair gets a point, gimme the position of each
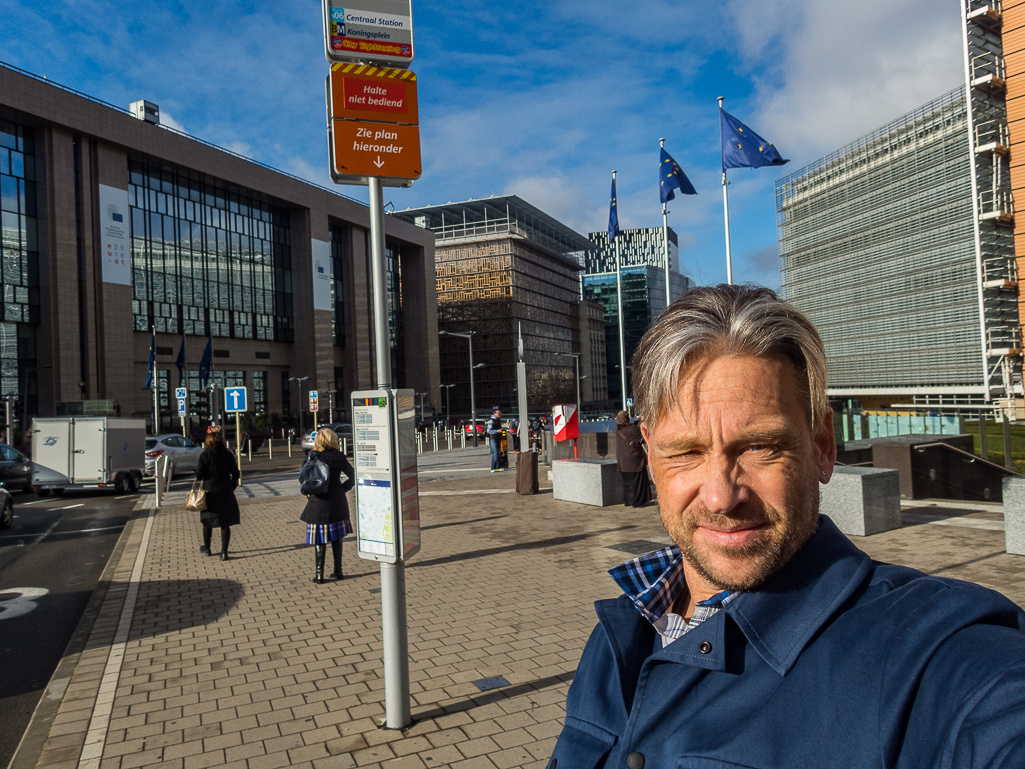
(725, 321)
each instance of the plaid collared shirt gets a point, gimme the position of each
(654, 581)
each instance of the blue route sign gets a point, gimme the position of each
(235, 399)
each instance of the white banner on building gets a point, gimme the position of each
(321, 274)
(114, 224)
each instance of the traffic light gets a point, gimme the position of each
(202, 405)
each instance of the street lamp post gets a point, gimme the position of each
(468, 336)
(448, 404)
(300, 380)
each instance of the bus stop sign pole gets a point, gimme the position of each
(393, 575)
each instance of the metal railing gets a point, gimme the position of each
(996, 204)
(992, 136)
(988, 69)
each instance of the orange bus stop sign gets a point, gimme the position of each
(362, 149)
(361, 92)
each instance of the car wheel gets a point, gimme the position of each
(7, 514)
(134, 482)
(43, 492)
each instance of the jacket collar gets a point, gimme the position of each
(781, 616)
(778, 618)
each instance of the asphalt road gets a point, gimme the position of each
(51, 560)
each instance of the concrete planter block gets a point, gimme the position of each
(1014, 515)
(587, 481)
(863, 500)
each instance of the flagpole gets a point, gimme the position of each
(725, 203)
(665, 235)
(153, 374)
(619, 310)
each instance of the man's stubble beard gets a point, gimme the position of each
(771, 553)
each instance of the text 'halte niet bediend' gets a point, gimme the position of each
(370, 100)
(378, 135)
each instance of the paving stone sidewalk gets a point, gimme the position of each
(247, 664)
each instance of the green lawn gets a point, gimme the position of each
(995, 442)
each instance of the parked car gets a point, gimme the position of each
(481, 425)
(6, 508)
(15, 469)
(342, 430)
(183, 452)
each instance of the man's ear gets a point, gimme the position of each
(644, 432)
(825, 447)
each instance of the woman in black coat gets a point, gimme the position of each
(632, 461)
(327, 515)
(218, 471)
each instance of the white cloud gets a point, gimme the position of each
(169, 121)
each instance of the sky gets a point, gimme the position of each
(533, 98)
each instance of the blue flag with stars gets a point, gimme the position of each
(180, 363)
(743, 148)
(613, 214)
(152, 360)
(671, 177)
(206, 362)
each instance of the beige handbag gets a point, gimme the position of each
(196, 500)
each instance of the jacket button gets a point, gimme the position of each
(635, 760)
(704, 647)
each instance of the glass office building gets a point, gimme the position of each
(115, 227)
(642, 254)
(503, 266)
(877, 246)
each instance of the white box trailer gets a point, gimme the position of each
(87, 452)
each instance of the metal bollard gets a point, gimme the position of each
(168, 474)
(156, 479)
(270, 447)
(435, 437)
(345, 445)
(249, 449)
(462, 439)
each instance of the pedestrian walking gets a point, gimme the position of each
(494, 430)
(218, 471)
(632, 461)
(514, 432)
(327, 515)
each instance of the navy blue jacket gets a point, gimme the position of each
(836, 661)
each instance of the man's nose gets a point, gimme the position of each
(721, 488)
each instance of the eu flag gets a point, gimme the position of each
(671, 177)
(613, 214)
(152, 360)
(206, 362)
(180, 363)
(743, 148)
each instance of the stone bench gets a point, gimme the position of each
(862, 500)
(587, 481)
(1014, 514)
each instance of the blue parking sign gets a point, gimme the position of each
(235, 399)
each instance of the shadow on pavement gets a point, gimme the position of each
(461, 523)
(495, 695)
(536, 545)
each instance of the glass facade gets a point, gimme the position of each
(396, 326)
(876, 247)
(19, 262)
(260, 392)
(338, 237)
(207, 257)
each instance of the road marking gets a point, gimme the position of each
(34, 502)
(125, 496)
(454, 470)
(96, 737)
(66, 507)
(22, 603)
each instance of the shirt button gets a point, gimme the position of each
(635, 760)
(704, 647)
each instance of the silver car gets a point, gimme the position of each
(342, 430)
(183, 452)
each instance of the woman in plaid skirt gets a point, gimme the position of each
(327, 515)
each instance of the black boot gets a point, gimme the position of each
(225, 539)
(207, 534)
(319, 554)
(336, 553)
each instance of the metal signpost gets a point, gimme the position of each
(235, 400)
(181, 394)
(314, 408)
(374, 139)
